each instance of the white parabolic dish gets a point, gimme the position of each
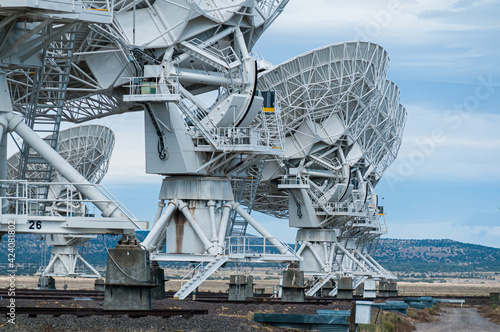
(87, 148)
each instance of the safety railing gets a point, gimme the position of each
(242, 139)
(288, 181)
(330, 162)
(26, 198)
(153, 89)
(102, 5)
(226, 54)
(197, 268)
(320, 203)
(255, 246)
(343, 207)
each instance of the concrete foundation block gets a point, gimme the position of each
(240, 287)
(128, 278)
(46, 283)
(370, 289)
(157, 278)
(392, 289)
(293, 295)
(344, 290)
(327, 289)
(293, 285)
(360, 289)
(383, 289)
(99, 285)
(250, 286)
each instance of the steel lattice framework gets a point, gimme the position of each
(314, 158)
(338, 96)
(93, 93)
(343, 127)
(88, 149)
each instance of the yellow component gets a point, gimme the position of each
(145, 88)
(380, 214)
(99, 9)
(268, 109)
(277, 147)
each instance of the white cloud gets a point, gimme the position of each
(448, 146)
(127, 162)
(430, 40)
(405, 21)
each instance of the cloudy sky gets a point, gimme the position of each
(445, 57)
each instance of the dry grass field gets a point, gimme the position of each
(453, 288)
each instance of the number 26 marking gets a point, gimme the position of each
(37, 224)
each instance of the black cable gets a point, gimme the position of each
(162, 150)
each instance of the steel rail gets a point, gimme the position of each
(86, 312)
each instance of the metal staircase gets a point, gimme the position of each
(358, 281)
(331, 164)
(191, 112)
(334, 291)
(319, 283)
(46, 107)
(204, 272)
(210, 55)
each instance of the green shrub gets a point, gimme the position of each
(434, 311)
(388, 326)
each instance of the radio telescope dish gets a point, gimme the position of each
(342, 128)
(337, 109)
(88, 149)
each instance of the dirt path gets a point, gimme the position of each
(458, 320)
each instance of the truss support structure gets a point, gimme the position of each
(315, 157)
(201, 235)
(51, 84)
(17, 124)
(66, 261)
(342, 128)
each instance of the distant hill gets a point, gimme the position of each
(437, 256)
(29, 252)
(395, 255)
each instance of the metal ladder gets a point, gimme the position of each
(201, 276)
(46, 107)
(218, 61)
(332, 164)
(238, 224)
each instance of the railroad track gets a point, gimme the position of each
(86, 295)
(85, 312)
(35, 294)
(269, 301)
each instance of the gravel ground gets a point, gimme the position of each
(221, 317)
(459, 320)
